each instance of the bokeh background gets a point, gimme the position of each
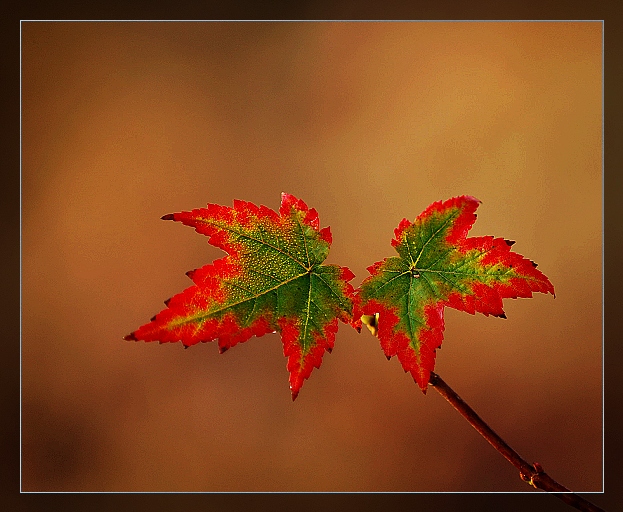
(368, 123)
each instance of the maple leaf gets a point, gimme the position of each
(272, 280)
(403, 300)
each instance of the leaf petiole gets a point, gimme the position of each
(533, 474)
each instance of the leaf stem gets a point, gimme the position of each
(533, 474)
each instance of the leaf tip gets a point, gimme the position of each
(191, 273)
(404, 225)
(130, 337)
(288, 201)
(166, 302)
(222, 350)
(325, 234)
(168, 216)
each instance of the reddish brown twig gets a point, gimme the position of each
(533, 474)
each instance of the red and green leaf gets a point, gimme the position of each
(272, 280)
(437, 267)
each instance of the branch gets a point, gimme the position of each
(533, 474)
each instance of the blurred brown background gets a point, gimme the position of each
(368, 123)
